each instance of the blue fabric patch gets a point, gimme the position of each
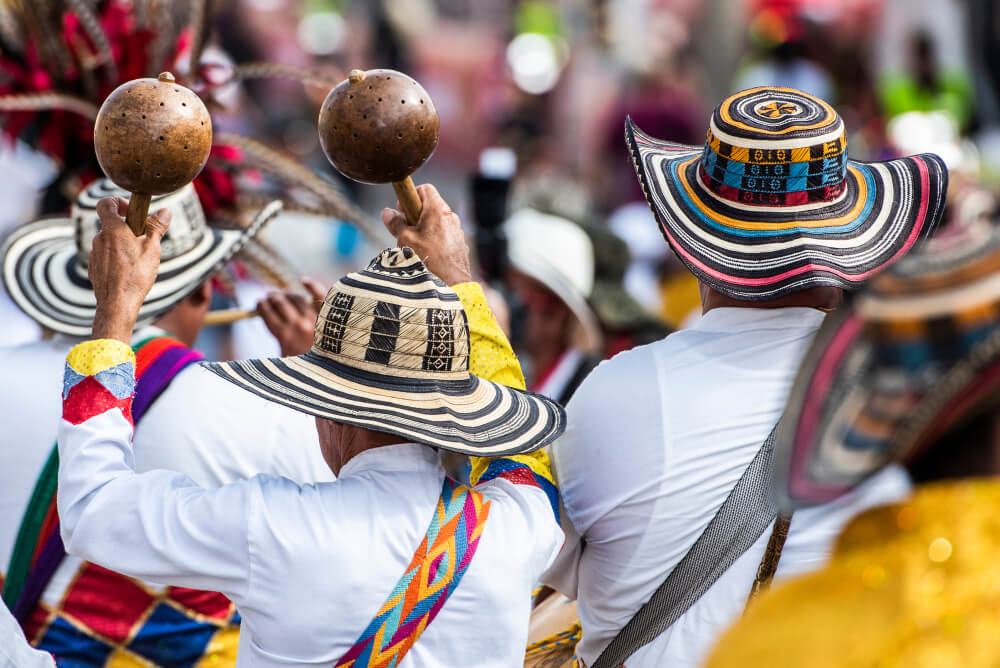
(503, 465)
(119, 379)
(70, 379)
(73, 648)
(170, 638)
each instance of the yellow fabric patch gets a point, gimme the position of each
(492, 358)
(92, 357)
(221, 650)
(122, 658)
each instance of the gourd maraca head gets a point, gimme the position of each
(152, 135)
(378, 126)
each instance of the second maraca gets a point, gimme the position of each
(379, 127)
(152, 137)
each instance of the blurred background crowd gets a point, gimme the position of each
(533, 95)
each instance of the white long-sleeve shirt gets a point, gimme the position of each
(310, 566)
(200, 425)
(657, 438)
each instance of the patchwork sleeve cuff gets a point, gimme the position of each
(99, 376)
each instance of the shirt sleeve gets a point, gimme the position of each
(492, 357)
(158, 526)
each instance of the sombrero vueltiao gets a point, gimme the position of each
(391, 353)
(772, 205)
(45, 262)
(914, 355)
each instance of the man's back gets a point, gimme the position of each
(657, 439)
(201, 426)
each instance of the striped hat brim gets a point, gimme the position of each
(43, 276)
(472, 416)
(756, 252)
(891, 371)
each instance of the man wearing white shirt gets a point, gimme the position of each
(345, 572)
(199, 425)
(774, 221)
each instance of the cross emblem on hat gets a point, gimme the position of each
(778, 109)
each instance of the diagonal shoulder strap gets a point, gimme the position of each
(428, 582)
(38, 548)
(739, 522)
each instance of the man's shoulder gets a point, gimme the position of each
(627, 367)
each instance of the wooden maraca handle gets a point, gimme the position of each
(409, 200)
(227, 316)
(138, 209)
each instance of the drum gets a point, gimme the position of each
(553, 633)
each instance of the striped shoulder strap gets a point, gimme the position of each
(433, 574)
(38, 548)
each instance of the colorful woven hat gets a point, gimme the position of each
(45, 262)
(391, 353)
(916, 354)
(771, 204)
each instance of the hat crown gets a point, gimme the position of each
(775, 146)
(188, 226)
(395, 318)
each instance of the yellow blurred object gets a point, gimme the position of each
(910, 584)
(679, 297)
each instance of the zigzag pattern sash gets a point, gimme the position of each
(435, 571)
(38, 548)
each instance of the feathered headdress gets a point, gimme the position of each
(59, 59)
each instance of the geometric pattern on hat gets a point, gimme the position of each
(45, 262)
(771, 204)
(914, 355)
(391, 353)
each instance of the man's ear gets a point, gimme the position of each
(201, 295)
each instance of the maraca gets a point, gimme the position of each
(379, 126)
(152, 137)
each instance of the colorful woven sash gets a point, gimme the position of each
(435, 571)
(38, 548)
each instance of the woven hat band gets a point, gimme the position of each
(775, 176)
(395, 318)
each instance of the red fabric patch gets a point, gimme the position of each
(34, 623)
(208, 603)
(89, 398)
(520, 476)
(107, 603)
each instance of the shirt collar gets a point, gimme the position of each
(404, 457)
(730, 318)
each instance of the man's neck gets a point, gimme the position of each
(822, 298)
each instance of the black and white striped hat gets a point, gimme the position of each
(391, 353)
(45, 262)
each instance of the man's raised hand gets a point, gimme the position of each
(123, 268)
(437, 238)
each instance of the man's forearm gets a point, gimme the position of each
(114, 319)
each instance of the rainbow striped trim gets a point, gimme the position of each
(435, 571)
(531, 469)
